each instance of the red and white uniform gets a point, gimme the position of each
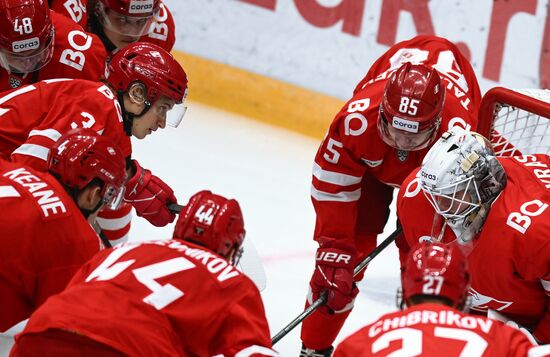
(354, 170)
(510, 261)
(169, 298)
(434, 330)
(34, 117)
(75, 10)
(76, 54)
(163, 31)
(45, 239)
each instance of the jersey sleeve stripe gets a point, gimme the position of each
(17, 92)
(9, 191)
(113, 224)
(343, 196)
(335, 178)
(255, 349)
(48, 133)
(38, 151)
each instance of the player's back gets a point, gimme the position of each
(434, 330)
(39, 113)
(44, 240)
(160, 298)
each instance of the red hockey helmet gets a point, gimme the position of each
(436, 269)
(81, 155)
(128, 17)
(156, 69)
(26, 35)
(410, 111)
(214, 222)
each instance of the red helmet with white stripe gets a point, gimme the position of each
(435, 269)
(410, 111)
(26, 35)
(214, 222)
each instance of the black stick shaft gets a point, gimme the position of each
(323, 298)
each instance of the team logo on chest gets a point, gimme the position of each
(14, 82)
(402, 155)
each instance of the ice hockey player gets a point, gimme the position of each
(143, 84)
(435, 283)
(38, 44)
(496, 209)
(46, 219)
(121, 22)
(179, 297)
(409, 97)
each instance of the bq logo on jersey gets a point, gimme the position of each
(25, 45)
(404, 124)
(141, 6)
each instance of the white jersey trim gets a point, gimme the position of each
(114, 224)
(48, 133)
(335, 178)
(38, 151)
(119, 241)
(9, 191)
(545, 285)
(249, 351)
(343, 196)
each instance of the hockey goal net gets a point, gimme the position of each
(516, 121)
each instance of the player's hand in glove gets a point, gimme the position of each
(150, 196)
(335, 261)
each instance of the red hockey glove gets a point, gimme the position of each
(334, 266)
(150, 196)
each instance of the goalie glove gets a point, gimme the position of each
(335, 261)
(150, 196)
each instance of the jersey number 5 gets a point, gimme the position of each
(161, 295)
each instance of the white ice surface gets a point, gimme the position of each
(268, 170)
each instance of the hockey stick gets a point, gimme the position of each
(175, 208)
(323, 298)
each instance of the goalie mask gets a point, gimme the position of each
(461, 177)
(436, 270)
(26, 35)
(82, 155)
(214, 222)
(410, 111)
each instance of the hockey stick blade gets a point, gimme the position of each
(323, 298)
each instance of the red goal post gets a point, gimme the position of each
(516, 121)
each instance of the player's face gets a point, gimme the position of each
(154, 119)
(27, 61)
(123, 30)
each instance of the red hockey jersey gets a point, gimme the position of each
(510, 261)
(35, 116)
(163, 30)
(354, 168)
(45, 239)
(169, 298)
(77, 54)
(434, 330)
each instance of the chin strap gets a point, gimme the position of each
(128, 117)
(96, 28)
